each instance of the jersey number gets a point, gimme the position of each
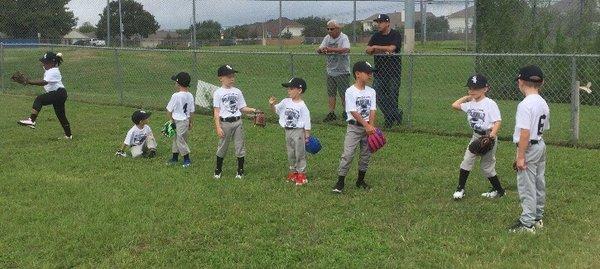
(541, 124)
(185, 109)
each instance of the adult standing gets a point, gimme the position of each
(385, 44)
(336, 46)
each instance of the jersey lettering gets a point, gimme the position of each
(185, 108)
(541, 124)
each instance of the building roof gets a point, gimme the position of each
(74, 34)
(461, 14)
(272, 26)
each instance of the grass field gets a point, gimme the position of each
(141, 79)
(74, 204)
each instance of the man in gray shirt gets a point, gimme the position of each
(336, 46)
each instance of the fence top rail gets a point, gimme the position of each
(420, 54)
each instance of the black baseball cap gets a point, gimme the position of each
(49, 57)
(295, 83)
(363, 66)
(183, 78)
(477, 81)
(531, 73)
(382, 17)
(225, 70)
(140, 115)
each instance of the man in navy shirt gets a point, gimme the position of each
(384, 45)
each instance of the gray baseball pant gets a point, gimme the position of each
(235, 131)
(488, 160)
(296, 151)
(355, 135)
(532, 184)
(139, 150)
(180, 140)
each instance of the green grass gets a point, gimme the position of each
(73, 203)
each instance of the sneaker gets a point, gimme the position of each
(27, 122)
(172, 162)
(330, 117)
(493, 194)
(301, 179)
(538, 224)
(339, 187)
(292, 176)
(186, 163)
(520, 227)
(459, 194)
(240, 174)
(362, 184)
(68, 137)
(217, 176)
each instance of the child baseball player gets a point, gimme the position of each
(360, 109)
(139, 138)
(483, 116)
(228, 106)
(55, 93)
(180, 110)
(531, 121)
(294, 117)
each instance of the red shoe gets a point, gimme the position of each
(292, 176)
(301, 179)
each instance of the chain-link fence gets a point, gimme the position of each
(427, 83)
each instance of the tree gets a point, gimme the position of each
(207, 30)
(240, 31)
(87, 27)
(136, 20)
(349, 30)
(51, 18)
(434, 25)
(313, 26)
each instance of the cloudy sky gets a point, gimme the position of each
(176, 14)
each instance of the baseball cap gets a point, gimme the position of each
(531, 73)
(49, 57)
(183, 78)
(225, 70)
(363, 66)
(477, 81)
(140, 115)
(382, 17)
(295, 83)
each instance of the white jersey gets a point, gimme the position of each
(54, 79)
(136, 136)
(481, 115)
(293, 114)
(229, 101)
(181, 105)
(533, 114)
(361, 101)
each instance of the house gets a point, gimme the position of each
(161, 37)
(456, 20)
(74, 37)
(396, 20)
(270, 28)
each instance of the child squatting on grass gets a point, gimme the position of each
(139, 138)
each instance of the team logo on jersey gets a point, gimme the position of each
(139, 139)
(291, 117)
(363, 104)
(230, 102)
(477, 119)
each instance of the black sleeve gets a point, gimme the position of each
(371, 40)
(397, 40)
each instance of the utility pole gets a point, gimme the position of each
(409, 27)
(121, 22)
(108, 22)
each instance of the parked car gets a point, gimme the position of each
(97, 42)
(82, 43)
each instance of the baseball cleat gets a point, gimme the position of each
(292, 176)
(301, 179)
(27, 122)
(492, 194)
(217, 176)
(186, 163)
(240, 174)
(459, 194)
(362, 184)
(519, 227)
(339, 187)
(538, 224)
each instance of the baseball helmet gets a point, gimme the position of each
(168, 129)
(313, 145)
(376, 140)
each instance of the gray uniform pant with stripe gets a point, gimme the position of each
(355, 136)
(532, 184)
(139, 150)
(296, 151)
(180, 140)
(488, 160)
(232, 130)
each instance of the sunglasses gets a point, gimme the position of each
(330, 29)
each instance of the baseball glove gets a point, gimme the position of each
(20, 78)
(482, 145)
(169, 129)
(259, 119)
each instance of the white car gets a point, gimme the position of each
(97, 42)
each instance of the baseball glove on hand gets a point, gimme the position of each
(20, 78)
(482, 145)
(259, 119)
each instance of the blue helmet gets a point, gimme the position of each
(313, 145)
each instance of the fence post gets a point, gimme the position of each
(119, 80)
(409, 107)
(2, 67)
(292, 71)
(574, 103)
